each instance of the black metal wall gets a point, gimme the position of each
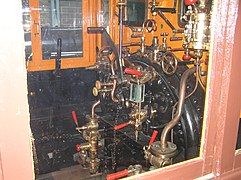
(51, 100)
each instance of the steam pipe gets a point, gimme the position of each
(114, 99)
(178, 114)
(93, 108)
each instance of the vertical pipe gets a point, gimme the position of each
(121, 5)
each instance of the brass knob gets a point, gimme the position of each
(98, 85)
(95, 91)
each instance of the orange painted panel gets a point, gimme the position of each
(38, 64)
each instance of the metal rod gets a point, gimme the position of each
(93, 108)
(121, 6)
(178, 114)
(114, 99)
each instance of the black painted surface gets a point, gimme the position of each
(51, 100)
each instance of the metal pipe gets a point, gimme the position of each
(93, 108)
(114, 99)
(121, 5)
(178, 114)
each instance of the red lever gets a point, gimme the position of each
(153, 137)
(74, 116)
(132, 72)
(78, 147)
(121, 126)
(117, 175)
(190, 2)
(186, 57)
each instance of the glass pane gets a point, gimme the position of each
(27, 29)
(104, 15)
(136, 12)
(61, 19)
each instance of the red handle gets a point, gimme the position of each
(78, 147)
(74, 116)
(153, 137)
(186, 57)
(132, 72)
(117, 175)
(120, 126)
(190, 2)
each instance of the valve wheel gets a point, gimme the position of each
(169, 63)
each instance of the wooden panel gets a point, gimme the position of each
(185, 170)
(237, 159)
(15, 136)
(1, 170)
(224, 86)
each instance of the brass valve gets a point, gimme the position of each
(98, 85)
(159, 157)
(95, 91)
(102, 87)
(92, 136)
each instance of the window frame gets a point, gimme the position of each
(89, 43)
(222, 109)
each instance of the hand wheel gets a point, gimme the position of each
(169, 63)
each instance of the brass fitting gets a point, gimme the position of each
(102, 87)
(99, 85)
(159, 157)
(164, 40)
(91, 135)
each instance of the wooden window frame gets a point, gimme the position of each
(218, 156)
(89, 43)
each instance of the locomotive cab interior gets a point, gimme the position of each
(116, 88)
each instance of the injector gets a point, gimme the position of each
(88, 150)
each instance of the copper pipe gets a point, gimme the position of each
(93, 108)
(114, 99)
(112, 67)
(178, 114)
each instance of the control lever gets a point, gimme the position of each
(74, 116)
(121, 126)
(117, 175)
(153, 137)
(133, 72)
(58, 57)
(132, 170)
(95, 30)
(190, 2)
